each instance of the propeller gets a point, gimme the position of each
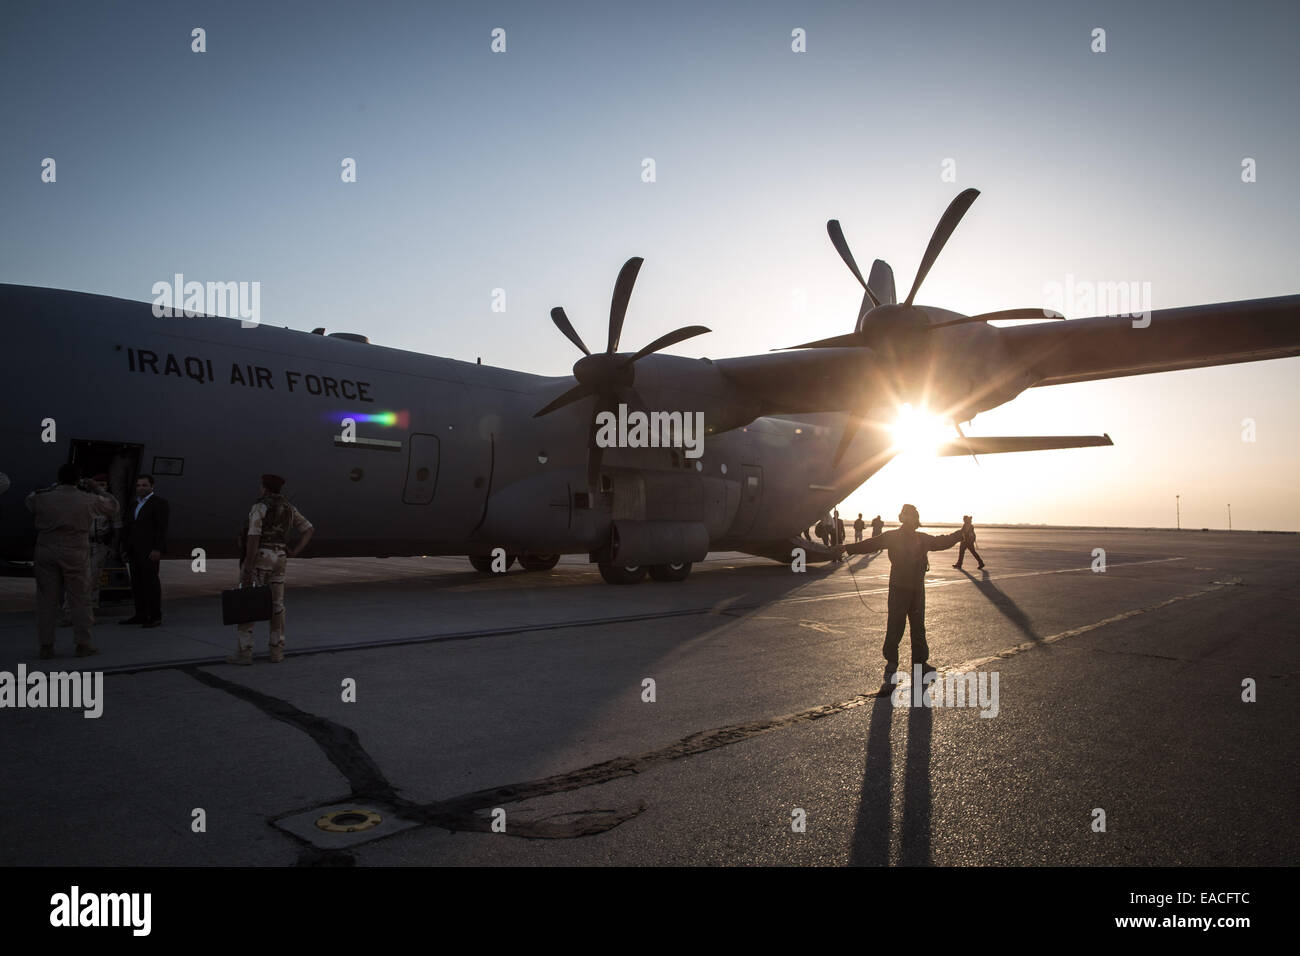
(879, 289)
(609, 376)
(892, 328)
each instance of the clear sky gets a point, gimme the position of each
(522, 171)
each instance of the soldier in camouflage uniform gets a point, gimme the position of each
(63, 517)
(266, 534)
(104, 532)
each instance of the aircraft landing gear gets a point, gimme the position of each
(483, 562)
(619, 574)
(670, 572)
(538, 562)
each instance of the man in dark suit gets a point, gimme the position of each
(145, 534)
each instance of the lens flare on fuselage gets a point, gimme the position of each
(401, 419)
(918, 431)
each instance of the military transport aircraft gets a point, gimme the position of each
(449, 457)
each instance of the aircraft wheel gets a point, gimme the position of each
(483, 562)
(620, 574)
(538, 562)
(670, 572)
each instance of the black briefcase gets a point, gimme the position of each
(245, 605)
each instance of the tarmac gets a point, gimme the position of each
(507, 720)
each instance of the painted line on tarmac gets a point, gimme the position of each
(1012, 651)
(948, 582)
(706, 740)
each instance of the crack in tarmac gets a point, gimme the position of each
(367, 782)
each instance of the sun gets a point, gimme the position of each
(918, 431)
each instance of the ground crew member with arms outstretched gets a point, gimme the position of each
(908, 562)
(64, 514)
(266, 532)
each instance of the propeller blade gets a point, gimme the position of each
(942, 232)
(594, 452)
(672, 338)
(1019, 314)
(842, 247)
(850, 429)
(1005, 315)
(966, 441)
(630, 398)
(579, 391)
(562, 323)
(618, 304)
(847, 340)
(881, 282)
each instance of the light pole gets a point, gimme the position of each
(1229, 517)
(1178, 513)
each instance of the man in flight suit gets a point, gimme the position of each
(63, 517)
(968, 543)
(908, 562)
(264, 559)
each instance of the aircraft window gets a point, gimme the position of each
(699, 466)
(724, 468)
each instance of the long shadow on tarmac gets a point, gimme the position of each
(1009, 608)
(874, 827)
(871, 834)
(914, 843)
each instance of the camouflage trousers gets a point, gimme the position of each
(61, 568)
(268, 569)
(94, 573)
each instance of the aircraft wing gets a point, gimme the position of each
(1081, 350)
(812, 380)
(997, 445)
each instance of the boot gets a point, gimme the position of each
(242, 656)
(277, 653)
(86, 650)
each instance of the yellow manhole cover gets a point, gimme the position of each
(349, 821)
